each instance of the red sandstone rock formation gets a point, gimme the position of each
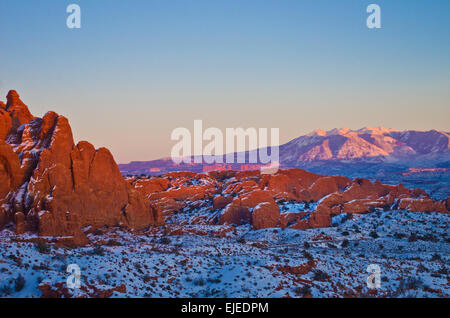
(220, 202)
(249, 197)
(266, 215)
(235, 213)
(52, 186)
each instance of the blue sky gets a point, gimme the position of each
(138, 69)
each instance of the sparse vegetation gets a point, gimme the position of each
(320, 275)
(42, 246)
(165, 240)
(19, 283)
(98, 250)
(345, 243)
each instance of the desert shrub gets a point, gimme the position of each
(307, 255)
(429, 237)
(164, 240)
(215, 280)
(321, 275)
(410, 283)
(373, 234)
(5, 290)
(443, 270)
(399, 235)
(242, 240)
(436, 257)
(199, 282)
(138, 267)
(19, 283)
(42, 247)
(413, 237)
(345, 243)
(113, 242)
(98, 250)
(97, 232)
(304, 290)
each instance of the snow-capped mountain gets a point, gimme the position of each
(366, 144)
(409, 148)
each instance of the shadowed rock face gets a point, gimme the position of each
(52, 186)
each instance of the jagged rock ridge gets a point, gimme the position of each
(52, 186)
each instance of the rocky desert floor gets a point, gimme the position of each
(191, 260)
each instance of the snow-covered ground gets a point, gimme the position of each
(411, 249)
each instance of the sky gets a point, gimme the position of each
(136, 70)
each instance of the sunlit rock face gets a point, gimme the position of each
(237, 198)
(54, 187)
(51, 186)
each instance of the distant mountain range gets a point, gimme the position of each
(330, 150)
(413, 158)
(366, 144)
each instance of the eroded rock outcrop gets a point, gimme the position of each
(231, 197)
(52, 186)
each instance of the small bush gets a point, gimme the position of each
(410, 283)
(5, 290)
(42, 247)
(199, 282)
(97, 232)
(436, 257)
(164, 240)
(242, 240)
(98, 250)
(217, 280)
(321, 275)
(429, 237)
(304, 290)
(345, 243)
(399, 235)
(412, 238)
(19, 283)
(373, 234)
(113, 242)
(307, 255)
